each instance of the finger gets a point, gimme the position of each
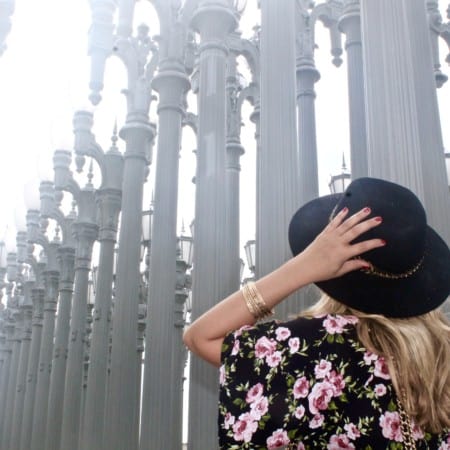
(363, 247)
(354, 219)
(338, 218)
(352, 265)
(362, 227)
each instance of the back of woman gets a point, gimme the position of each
(313, 384)
(368, 367)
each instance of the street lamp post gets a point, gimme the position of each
(66, 258)
(350, 25)
(36, 228)
(108, 198)
(16, 338)
(160, 408)
(214, 20)
(26, 306)
(37, 297)
(85, 230)
(401, 97)
(121, 430)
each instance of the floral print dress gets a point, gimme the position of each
(309, 384)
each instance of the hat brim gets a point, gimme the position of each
(420, 292)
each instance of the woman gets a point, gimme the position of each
(367, 367)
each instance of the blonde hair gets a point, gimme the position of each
(417, 351)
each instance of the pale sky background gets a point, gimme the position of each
(44, 78)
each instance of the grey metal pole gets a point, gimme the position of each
(307, 76)
(120, 427)
(403, 126)
(50, 200)
(58, 375)
(109, 203)
(51, 280)
(234, 151)
(14, 345)
(278, 164)
(350, 24)
(37, 295)
(160, 408)
(27, 308)
(214, 19)
(8, 330)
(86, 231)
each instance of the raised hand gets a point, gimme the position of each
(332, 253)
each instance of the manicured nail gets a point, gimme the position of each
(365, 268)
(378, 219)
(383, 242)
(366, 210)
(345, 209)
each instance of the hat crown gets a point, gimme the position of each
(403, 227)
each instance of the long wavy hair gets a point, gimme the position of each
(417, 351)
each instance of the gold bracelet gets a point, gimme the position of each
(255, 302)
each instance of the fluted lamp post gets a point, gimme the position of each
(183, 285)
(339, 183)
(447, 165)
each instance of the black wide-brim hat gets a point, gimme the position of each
(411, 273)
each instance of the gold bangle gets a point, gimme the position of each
(255, 302)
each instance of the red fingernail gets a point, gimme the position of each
(378, 219)
(365, 268)
(383, 242)
(366, 210)
(345, 209)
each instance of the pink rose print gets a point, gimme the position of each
(282, 333)
(320, 396)
(244, 428)
(337, 381)
(238, 332)
(300, 446)
(316, 421)
(235, 349)
(417, 432)
(334, 325)
(259, 408)
(369, 380)
(351, 319)
(299, 412)
(264, 347)
(380, 390)
(279, 438)
(222, 375)
(340, 442)
(390, 426)
(322, 369)
(369, 357)
(254, 393)
(228, 421)
(301, 388)
(352, 431)
(381, 369)
(294, 344)
(274, 359)
(444, 446)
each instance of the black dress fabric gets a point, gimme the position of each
(309, 384)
